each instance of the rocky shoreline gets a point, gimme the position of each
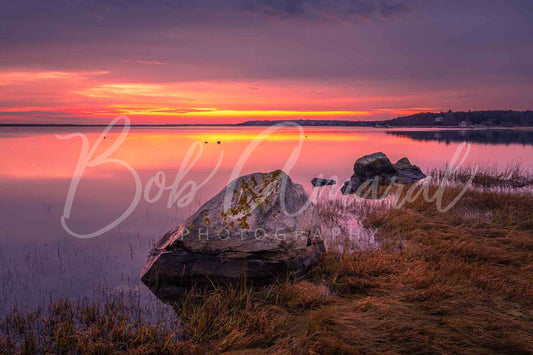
(260, 227)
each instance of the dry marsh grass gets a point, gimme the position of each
(67, 327)
(513, 176)
(453, 282)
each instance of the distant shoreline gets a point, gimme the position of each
(265, 125)
(450, 119)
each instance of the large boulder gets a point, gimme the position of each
(259, 227)
(372, 166)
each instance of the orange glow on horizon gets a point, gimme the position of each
(93, 95)
(233, 113)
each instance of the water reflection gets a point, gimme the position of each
(484, 136)
(36, 169)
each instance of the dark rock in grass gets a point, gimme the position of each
(322, 182)
(351, 186)
(249, 237)
(407, 172)
(378, 167)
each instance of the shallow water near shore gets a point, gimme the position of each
(40, 261)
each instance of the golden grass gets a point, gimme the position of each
(454, 282)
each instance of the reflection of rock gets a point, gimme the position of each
(377, 167)
(252, 237)
(322, 182)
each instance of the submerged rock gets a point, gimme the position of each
(241, 232)
(322, 182)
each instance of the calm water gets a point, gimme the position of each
(40, 261)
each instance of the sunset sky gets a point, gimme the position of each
(217, 61)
